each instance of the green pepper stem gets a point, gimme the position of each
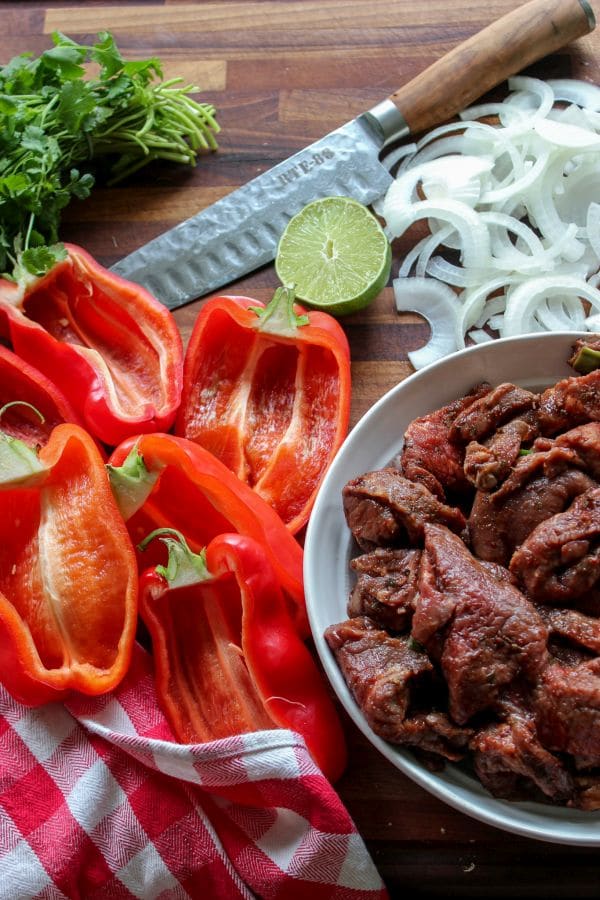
(184, 567)
(131, 483)
(279, 316)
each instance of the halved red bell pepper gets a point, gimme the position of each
(68, 573)
(228, 659)
(110, 347)
(22, 382)
(267, 390)
(164, 481)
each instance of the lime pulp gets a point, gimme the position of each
(336, 254)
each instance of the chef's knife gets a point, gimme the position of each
(240, 232)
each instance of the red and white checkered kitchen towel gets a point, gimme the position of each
(98, 801)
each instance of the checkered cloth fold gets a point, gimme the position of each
(98, 801)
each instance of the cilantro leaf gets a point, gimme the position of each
(55, 124)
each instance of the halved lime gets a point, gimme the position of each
(336, 254)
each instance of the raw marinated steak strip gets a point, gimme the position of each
(379, 670)
(385, 509)
(585, 441)
(430, 456)
(435, 733)
(570, 402)
(540, 485)
(560, 560)
(588, 792)
(487, 465)
(486, 414)
(572, 626)
(511, 762)
(567, 707)
(385, 587)
(387, 675)
(485, 633)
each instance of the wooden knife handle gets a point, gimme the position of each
(489, 57)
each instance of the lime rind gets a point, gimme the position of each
(336, 254)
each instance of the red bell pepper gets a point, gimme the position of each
(164, 481)
(21, 382)
(110, 347)
(267, 390)
(227, 656)
(68, 575)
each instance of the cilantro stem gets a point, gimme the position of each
(55, 124)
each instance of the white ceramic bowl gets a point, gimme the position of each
(533, 361)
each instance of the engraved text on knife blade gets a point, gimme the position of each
(240, 232)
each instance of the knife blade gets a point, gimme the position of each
(240, 232)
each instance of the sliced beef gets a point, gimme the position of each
(388, 677)
(585, 441)
(540, 485)
(484, 632)
(512, 764)
(429, 456)
(570, 402)
(588, 792)
(560, 560)
(385, 587)
(379, 669)
(486, 414)
(487, 464)
(572, 627)
(568, 711)
(435, 736)
(385, 509)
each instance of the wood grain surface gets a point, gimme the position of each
(282, 73)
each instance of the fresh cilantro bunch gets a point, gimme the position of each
(55, 124)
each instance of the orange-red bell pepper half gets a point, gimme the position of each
(68, 573)
(22, 384)
(267, 390)
(228, 658)
(111, 348)
(165, 481)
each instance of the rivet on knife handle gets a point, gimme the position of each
(505, 47)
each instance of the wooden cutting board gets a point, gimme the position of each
(282, 73)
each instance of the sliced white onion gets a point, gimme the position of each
(541, 90)
(574, 90)
(562, 134)
(523, 301)
(472, 304)
(492, 312)
(455, 177)
(518, 201)
(578, 189)
(423, 250)
(592, 323)
(475, 240)
(592, 227)
(523, 180)
(439, 305)
(458, 276)
(561, 314)
(479, 336)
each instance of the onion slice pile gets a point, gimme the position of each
(513, 212)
